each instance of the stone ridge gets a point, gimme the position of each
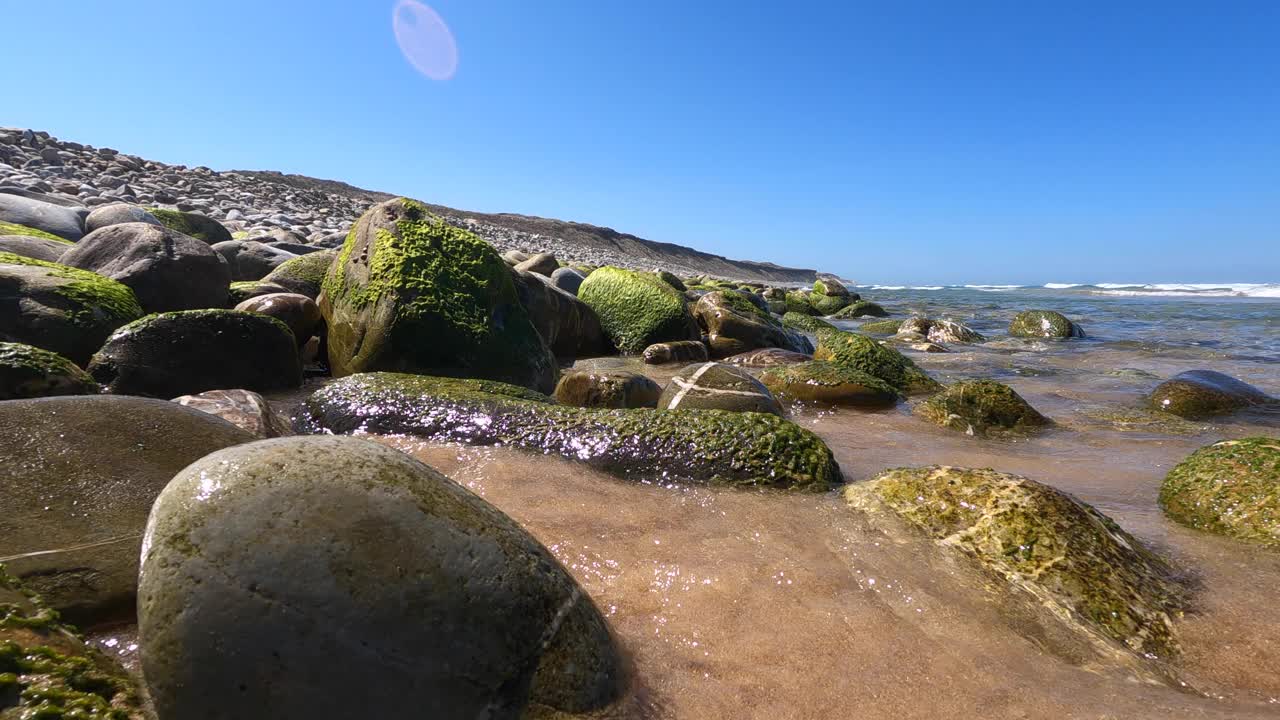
(297, 208)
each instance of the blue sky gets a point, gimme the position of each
(904, 142)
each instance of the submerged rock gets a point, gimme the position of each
(79, 475)
(716, 386)
(862, 308)
(30, 372)
(679, 351)
(412, 293)
(827, 382)
(861, 353)
(881, 327)
(1230, 488)
(417, 589)
(805, 323)
(1065, 554)
(735, 324)
(245, 409)
(182, 353)
(1199, 394)
(768, 357)
(981, 407)
(1045, 324)
(607, 389)
(707, 446)
(637, 309)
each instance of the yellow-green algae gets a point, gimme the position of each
(861, 308)
(91, 292)
(15, 229)
(981, 407)
(637, 309)
(1072, 558)
(1230, 488)
(805, 323)
(706, 446)
(858, 352)
(27, 371)
(1045, 324)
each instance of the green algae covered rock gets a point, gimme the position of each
(193, 224)
(704, 446)
(805, 323)
(798, 302)
(859, 352)
(1230, 488)
(862, 308)
(7, 228)
(824, 304)
(1045, 324)
(1065, 554)
(304, 274)
(58, 308)
(827, 382)
(47, 672)
(981, 407)
(28, 372)
(411, 293)
(1198, 394)
(637, 309)
(881, 327)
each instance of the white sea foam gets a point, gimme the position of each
(1256, 290)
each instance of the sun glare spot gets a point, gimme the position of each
(425, 40)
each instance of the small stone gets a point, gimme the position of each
(680, 351)
(245, 409)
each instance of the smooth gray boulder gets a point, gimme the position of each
(65, 222)
(251, 260)
(716, 386)
(117, 214)
(33, 247)
(568, 279)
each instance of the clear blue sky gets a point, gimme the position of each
(919, 142)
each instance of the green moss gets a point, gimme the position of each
(1230, 488)
(827, 304)
(858, 352)
(981, 407)
(192, 224)
(1044, 324)
(1199, 394)
(881, 327)
(798, 302)
(805, 323)
(1040, 540)
(708, 446)
(670, 279)
(96, 298)
(821, 381)
(27, 372)
(14, 229)
(636, 309)
(861, 308)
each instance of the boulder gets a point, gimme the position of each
(514, 257)
(429, 594)
(568, 279)
(678, 351)
(64, 222)
(1230, 488)
(949, 331)
(829, 295)
(637, 309)
(671, 279)
(34, 247)
(193, 225)
(11, 229)
(716, 386)
(881, 327)
(798, 302)
(30, 372)
(1043, 545)
(241, 291)
(412, 293)
(805, 323)
(776, 299)
(117, 214)
(1198, 394)
(79, 476)
(768, 357)
(735, 324)
(542, 264)
(188, 352)
(59, 308)
(304, 274)
(1044, 324)
(829, 383)
(861, 308)
(166, 270)
(245, 409)
(607, 389)
(251, 260)
(566, 324)
(859, 352)
(981, 407)
(699, 446)
(299, 312)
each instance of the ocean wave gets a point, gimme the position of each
(901, 287)
(1254, 290)
(994, 288)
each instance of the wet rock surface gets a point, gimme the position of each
(717, 386)
(1205, 393)
(607, 389)
(29, 372)
(1230, 488)
(245, 409)
(981, 407)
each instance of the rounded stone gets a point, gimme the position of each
(542, 264)
(567, 279)
(243, 408)
(326, 567)
(716, 386)
(981, 407)
(117, 214)
(1197, 394)
(768, 357)
(28, 372)
(34, 247)
(1230, 488)
(251, 260)
(607, 389)
(827, 382)
(303, 274)
(862, 308)
(299, 312)
(678, 351)
(1044, 324)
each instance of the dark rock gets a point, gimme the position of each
(29, 372)
(566, 324)
(607, 389)
(680, 351)
(65, 222)
(716, 386)
(1197, 394)
(249, 260)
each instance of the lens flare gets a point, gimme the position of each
(425, 40)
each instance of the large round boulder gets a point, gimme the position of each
(64, 222)
(188, 352)
(859, 352)
(981, 407)
(251, 260)
(63, 309)
(1198, 394)
(826, 382)
(117, 214)
(568, 279)
(607, 389)
(412, 293)
(1230, 488)
(637, 309)
(566, 324)
(735, 324)
(46, 249)
(299, 312)
(304, 274)
(166, 270)
(296, 552)
(193, 225)
(1044, 324)
(79, 475)
(716, 386)
(29, 372)
(543, 264)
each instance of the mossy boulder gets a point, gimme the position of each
(678, 351)
(34, 247)
(717, 386)
(768, 357)
(831, 286)
(322, 565)
(411, 293)
(981, 407)
(825, 301)
(241, 291)
(304, 274)
(607, 389)
(48, 672)
(826, 382)
(637, 309)
(1044, 324)
(190, 351)
(1198, 394)
(703, 446)
(1229, 488)
(195, 225)
(1041, 541)
(29, 372)
(805, 323)
(861, 308)
(798, 302)
(881, 327)
(861, 353)
(58, 308)
(670, 279)
(7, 228)
(735, 324)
